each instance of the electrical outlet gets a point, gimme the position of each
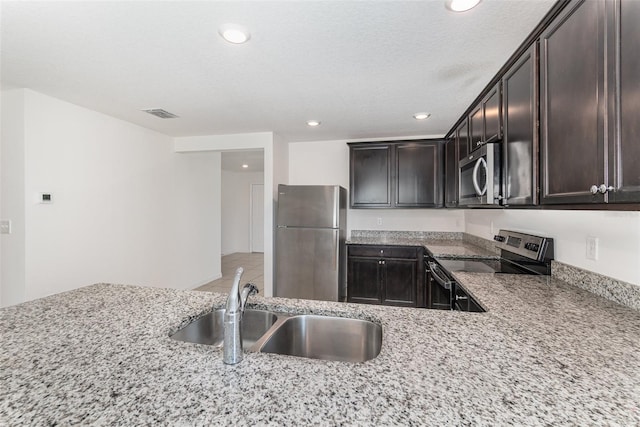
(5, 226)
(379, 221)
(592, 248)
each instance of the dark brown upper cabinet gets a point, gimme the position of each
(451, 174)
(569, 110)
(520, 136)
(370, 180)
(485, 120)
(476, 128)
(456, 148)
(624, 101)
(589, 102)
(462, 139)
(398, 174)
(419, 175)
(492, 109)
(572, 105)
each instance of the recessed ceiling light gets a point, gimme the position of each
(313, 123)
(460, 5)
(245, 166)
(234, 33)
(421, 116)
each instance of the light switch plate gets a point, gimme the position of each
(5, 226)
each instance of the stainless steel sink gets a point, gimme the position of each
(327, 338)
(209, 328)
(312, 336)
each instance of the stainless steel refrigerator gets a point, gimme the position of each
(310, 242)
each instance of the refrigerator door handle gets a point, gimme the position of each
(335, 250)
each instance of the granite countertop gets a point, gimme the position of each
(439, 248)
(545, 353)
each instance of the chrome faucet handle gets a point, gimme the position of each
(233, 300)
(232, 338)
(247, 290)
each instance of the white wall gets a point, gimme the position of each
(12, 252)
(275, 172)
(618, 233)
(236, 213)
(126, 208)
(327, 163)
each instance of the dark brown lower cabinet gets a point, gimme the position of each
(387, 275)
(363, 280)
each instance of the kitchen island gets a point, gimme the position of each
(544, 353)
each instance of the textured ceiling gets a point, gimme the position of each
(363, 68)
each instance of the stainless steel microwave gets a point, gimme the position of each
(480, 177)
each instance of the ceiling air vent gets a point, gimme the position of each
(159, 112)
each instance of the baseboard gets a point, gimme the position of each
(211, 279)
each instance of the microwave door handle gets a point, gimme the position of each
(476, 185)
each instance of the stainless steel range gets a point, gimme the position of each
(520, 253)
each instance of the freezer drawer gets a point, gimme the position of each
(308, 264)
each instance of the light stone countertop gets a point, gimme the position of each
(439, 248)
(545, 353)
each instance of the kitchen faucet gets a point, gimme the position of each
(236, 301)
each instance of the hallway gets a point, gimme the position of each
(253, 264)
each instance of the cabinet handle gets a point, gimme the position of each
(603, 188)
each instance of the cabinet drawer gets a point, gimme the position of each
(411, 252)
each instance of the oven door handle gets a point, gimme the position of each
(445, 283)
(476, 168)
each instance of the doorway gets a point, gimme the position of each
(242, 219)
(256, 236)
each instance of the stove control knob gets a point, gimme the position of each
(532, 247)
(499, 238)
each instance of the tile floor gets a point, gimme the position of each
(253, 264)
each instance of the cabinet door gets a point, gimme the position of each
(462, 140)
(520, 143)
(418, 172)
(492, 115)
(624, 151)
(572, 104)
(451, 174)
(400, 281)
(476, 128)
(364, 280)
(371, 175)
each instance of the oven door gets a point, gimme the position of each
(479, 182)
(439, 287)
